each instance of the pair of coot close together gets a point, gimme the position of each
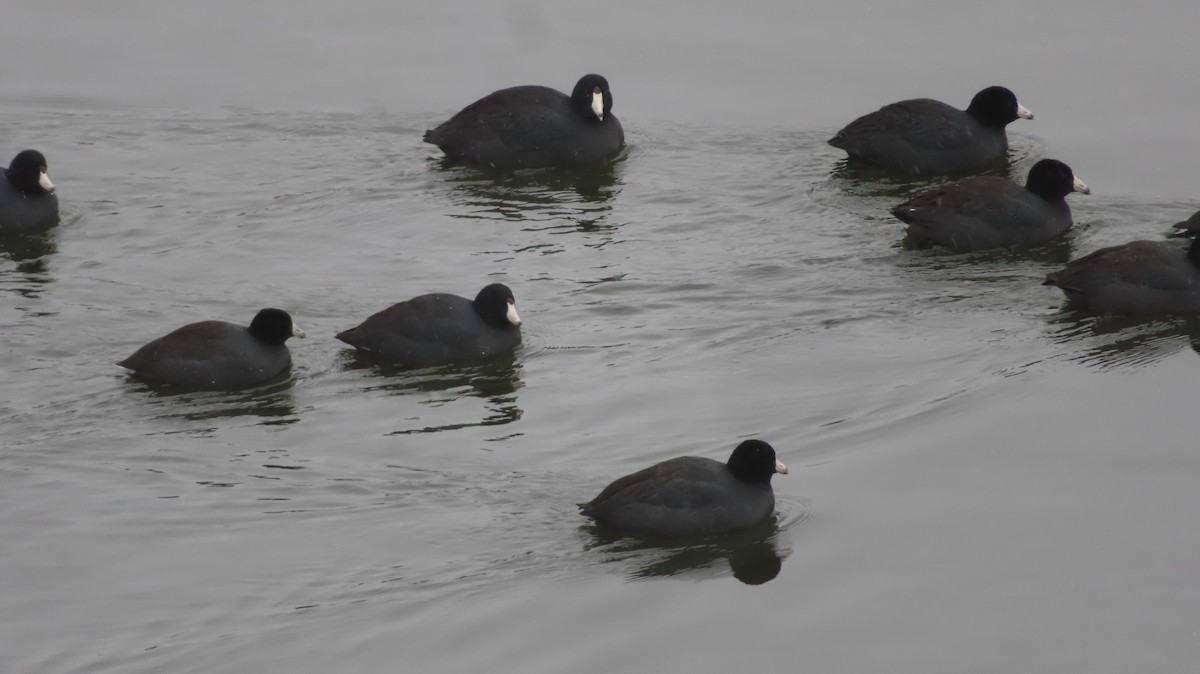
(426, 330)
(923, 137)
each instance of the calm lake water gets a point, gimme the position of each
(982, 480)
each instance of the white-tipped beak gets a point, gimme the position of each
(1023, 112)
(1081, 188)
(44, 181)
(297, 332)
(512, 314)
(780, 468)
(598, 103)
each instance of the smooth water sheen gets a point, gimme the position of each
(981, 480)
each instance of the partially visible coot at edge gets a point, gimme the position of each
(924, 137)
(987, 212)
(692, 496)
(1139, 277)
(218, 355)
(27, 199)
(440, 328)
(534, 127)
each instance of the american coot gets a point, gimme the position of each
(218, 355)
(441, 328)
(927, 137)
(1139, 277)
(991, 212)
(689, 495)
(27, 199)
(532, 126)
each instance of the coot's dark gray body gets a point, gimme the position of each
(440, 328)
(925, 137)
(27, 199)
(217, 354)
(1140, 277)
(991, 212)
(534, 126)
(691, 496)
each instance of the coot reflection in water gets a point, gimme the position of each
(865, 180)
(29, 255)
(495, 380)
(754, 554)
(33, 246)
(1054, 252)
(274, 401)
(581, 195)
(1112, 341)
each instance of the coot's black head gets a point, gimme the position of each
(1052, 179)
(754, 461)
(274, 326)
(496, 306)
(996, 107)
(27, 173)
(591, 98)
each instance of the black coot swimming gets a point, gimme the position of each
(217, 354)
(27, 198)
(1139, 277)
(533, 127)
(441, 328)
(692, 496)
(992, 212)
(926, 137)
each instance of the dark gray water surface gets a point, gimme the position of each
(981, 480)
